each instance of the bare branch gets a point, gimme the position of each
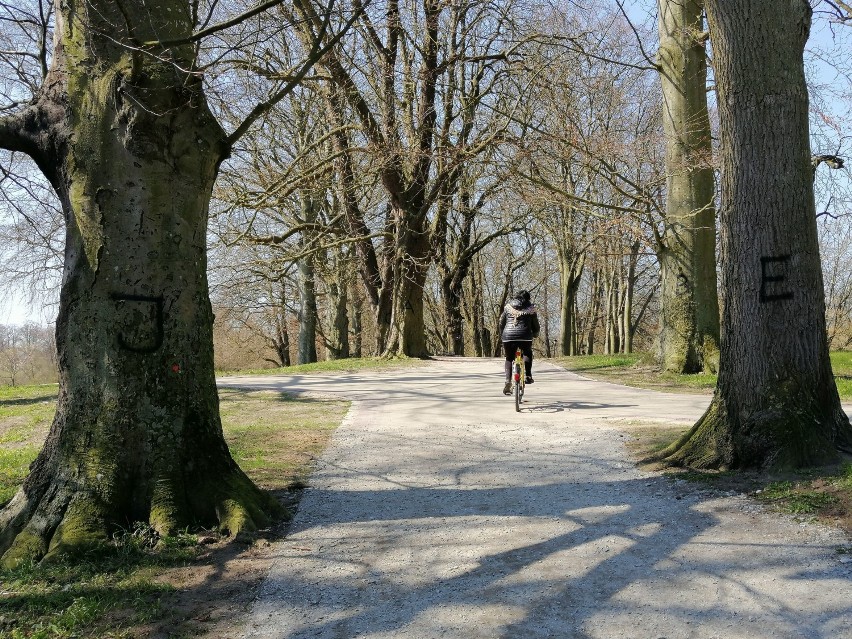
(316, 54)
(221, 26)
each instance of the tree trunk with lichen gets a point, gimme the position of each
(132, 150)
(689, 313)
(776, 403)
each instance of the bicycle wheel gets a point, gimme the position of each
(519, 389)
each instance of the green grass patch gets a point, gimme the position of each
(824, 494)
(841, 363)
(350, 365)
(14, 467)
(25, 410)
(99, 594)
(275, 438)
(587, 363)
(638, 370)
(131, 585)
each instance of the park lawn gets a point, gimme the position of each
(140, 584)
(636, 369)
(639, 370)
(841, 364)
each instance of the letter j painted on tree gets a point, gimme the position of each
(772, 275)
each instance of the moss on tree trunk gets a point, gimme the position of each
(689, 314)
(137, 435)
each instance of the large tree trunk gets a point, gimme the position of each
(137, 435)
(776, 402)
(689, 316)
(407, 336)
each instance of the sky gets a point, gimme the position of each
(833, 41)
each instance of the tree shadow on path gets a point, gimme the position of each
(599, 556)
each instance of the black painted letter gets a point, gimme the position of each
(770, 275)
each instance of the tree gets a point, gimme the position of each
(776, 403)
(417, 95)
(122, 130)
(689, 322)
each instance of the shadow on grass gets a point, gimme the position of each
(29, 401)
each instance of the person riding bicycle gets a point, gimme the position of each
(518, 327)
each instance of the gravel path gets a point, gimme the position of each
(438, 511)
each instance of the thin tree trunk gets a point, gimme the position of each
(630, 285)
(357, 323)
(338, 316)
(776, 403)
(594, 308)
(308, 313)
(481, 338)
(282, 335)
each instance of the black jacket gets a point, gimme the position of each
(518, 322)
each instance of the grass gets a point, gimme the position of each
(124, 587)
(636, 369)
(349, 365)
(275, 438)
(103, 594)
(639, 370)
(841, 364)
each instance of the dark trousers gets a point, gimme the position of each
(509, 349)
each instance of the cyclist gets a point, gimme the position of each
(518, 326)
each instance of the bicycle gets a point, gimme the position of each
(518, 379)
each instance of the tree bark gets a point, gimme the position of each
(776, 403)
(407, 336)
(308, 313)
(337, 308)
(592, 313)
(689, 316)
(282, 338)
(357, 322)
(132, 150)
(629, 286)
(378, 282)
(570, 274)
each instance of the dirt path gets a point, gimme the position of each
(440, 512)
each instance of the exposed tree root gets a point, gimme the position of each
(783, 435)
(64, 522)
(706, 446)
